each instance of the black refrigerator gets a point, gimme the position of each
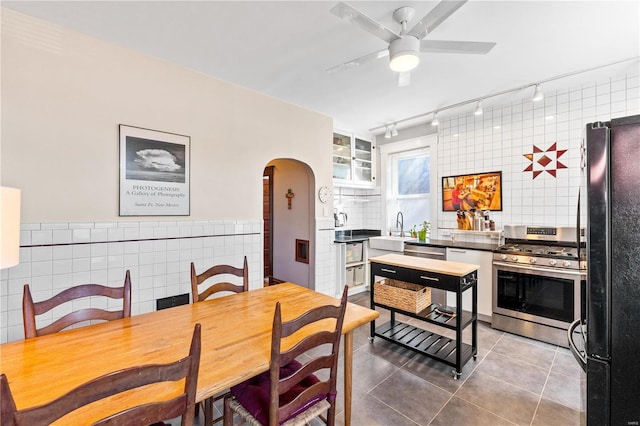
(606, 340)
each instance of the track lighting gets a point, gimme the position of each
(435, 122)
(478, 110)
(537, 94)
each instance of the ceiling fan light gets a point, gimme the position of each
(403, 54)
(478, 110)
(387, 133)
(538, 95)
(404, 62)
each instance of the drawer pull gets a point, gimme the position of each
(388, 270)
(429, 278)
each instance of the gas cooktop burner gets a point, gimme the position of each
(538, 250)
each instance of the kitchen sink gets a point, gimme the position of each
(390, 243)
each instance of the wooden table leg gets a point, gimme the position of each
(348, 364)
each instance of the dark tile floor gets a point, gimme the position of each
(514, 381)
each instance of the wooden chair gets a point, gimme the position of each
(217, 287)
(290, 394)
(113, 384)
(31, 309)
(197, 279)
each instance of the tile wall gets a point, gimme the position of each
(54, 256)
(499, 139)
(363, 206)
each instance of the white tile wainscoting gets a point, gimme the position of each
(54, 256)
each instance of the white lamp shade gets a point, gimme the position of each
(9, 227)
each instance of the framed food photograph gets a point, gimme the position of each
(154, 173)
(480, 191)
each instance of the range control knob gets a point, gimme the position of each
(552, 262)
(503, 256)
(514, 258)
(533, 260)
(566, 263)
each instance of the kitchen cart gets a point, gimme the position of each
(450, 276)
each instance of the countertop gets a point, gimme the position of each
(454, 244)
(429, 265)
(355, 235)
(358, 235)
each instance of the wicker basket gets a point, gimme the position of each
(402, 295)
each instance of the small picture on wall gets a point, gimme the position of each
(154, 173)
(481, 191)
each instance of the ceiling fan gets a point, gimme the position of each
(404, 47)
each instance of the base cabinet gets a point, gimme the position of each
(484, 259)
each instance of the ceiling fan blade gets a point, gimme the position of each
(431, 20)
(446, 46)
(359, 61)
(349, 14)
(404, 79)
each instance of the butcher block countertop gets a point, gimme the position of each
(430, 265)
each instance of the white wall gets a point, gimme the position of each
(64, 95)
(62, 102)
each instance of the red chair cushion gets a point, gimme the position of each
(253, 394)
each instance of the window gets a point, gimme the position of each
(408, 188)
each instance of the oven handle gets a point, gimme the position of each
(539, 268)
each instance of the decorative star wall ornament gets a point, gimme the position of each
(545, 161)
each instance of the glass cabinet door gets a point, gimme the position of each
(362, 161)
(341, 156)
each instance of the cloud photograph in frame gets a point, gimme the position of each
(155, 160)
(154, 173)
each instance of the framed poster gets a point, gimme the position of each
(154, 173)
(481, 191)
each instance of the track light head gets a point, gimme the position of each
(435, 122)
(394, 131)
(478, 110)
(387, 133)
(537, 94)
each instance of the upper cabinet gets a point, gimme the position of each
(353, 160)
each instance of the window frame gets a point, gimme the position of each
(425, 144)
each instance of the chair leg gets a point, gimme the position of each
(208, 412)
(228, 413)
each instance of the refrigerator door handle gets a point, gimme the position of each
(577, 343)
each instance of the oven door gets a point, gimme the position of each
(533, 293)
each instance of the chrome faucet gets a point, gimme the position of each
(400, 221)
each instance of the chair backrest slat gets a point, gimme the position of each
(31, 309)
(217, 270)
(116, 383)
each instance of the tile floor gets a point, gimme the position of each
(514, 381)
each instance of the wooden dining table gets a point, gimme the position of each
(236, 341)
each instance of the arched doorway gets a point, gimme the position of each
(288, 213)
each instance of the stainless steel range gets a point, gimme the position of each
(538, 276)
